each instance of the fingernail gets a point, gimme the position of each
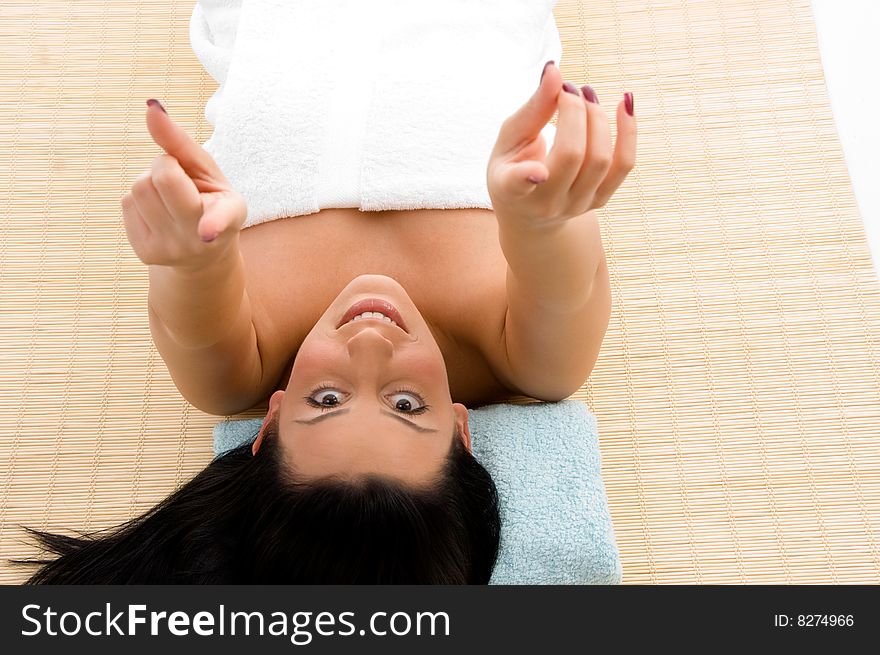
(629, 102)
(153, 101)
(589, 94)
(544, 71)
(535, 180)
(570, 88)
(209, 238)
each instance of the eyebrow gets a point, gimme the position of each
(322, 417)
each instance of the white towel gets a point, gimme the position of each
(387, 104)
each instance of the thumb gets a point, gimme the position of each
(518, 180)
(223, 213)
(528, 121)
(193, 158)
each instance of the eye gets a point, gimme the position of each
(403, 404)
(405, 401)
(324, 400)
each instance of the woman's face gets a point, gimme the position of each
(385, 407)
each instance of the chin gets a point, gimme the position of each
(367, 279)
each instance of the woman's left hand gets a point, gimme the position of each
(581, 171)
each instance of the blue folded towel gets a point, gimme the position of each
(544, 458)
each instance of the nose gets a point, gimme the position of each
(370, 346)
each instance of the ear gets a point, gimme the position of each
(274, 408)
(461, 421)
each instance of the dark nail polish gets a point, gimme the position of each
(589, 94)
(153, 101)
(570, 88)
(629, 102)
(545, 70)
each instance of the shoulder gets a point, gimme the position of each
(479, 331)
(277, 343)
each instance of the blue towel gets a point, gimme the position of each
(544, 458)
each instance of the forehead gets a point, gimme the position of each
(337, 415)
(357, 444)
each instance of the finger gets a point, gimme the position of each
(624, 159)
(567, 154)
(597, 159)
(176, 190)
(149, 205)
(526, 124)
(136, 228)
(193, 158)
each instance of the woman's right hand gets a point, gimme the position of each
(175, 207)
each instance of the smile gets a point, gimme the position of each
(373, 309)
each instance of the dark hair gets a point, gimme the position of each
(246, 519)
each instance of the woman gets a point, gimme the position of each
(464, 307)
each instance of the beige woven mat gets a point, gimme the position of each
(738, 388)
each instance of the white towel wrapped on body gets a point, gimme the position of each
(387, 104)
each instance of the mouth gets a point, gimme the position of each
(373, 305)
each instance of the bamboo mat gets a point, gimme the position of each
(738, 387)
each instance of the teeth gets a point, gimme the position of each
(372, 315)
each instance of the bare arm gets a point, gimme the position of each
(202, 325)
(559, 305)
(559, 300)
(183, 219)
